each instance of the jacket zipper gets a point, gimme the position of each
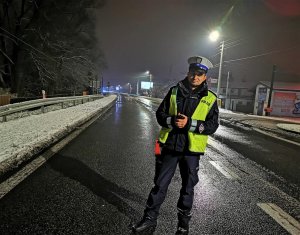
(183, 108)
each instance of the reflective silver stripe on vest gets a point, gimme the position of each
(193, 125)
(169, 119)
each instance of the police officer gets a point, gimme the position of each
(187, 115)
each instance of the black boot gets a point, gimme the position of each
(183, 223)
(147, 224)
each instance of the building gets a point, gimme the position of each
(285, 99)
(235, 96)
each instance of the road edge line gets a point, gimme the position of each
(281, 217)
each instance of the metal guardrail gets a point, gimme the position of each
(32, 104)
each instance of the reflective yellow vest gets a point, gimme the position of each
(197, 142)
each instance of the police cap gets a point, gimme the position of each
(199, 63)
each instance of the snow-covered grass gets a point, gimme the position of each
(289, 127)
(294, 125)
(24, 137)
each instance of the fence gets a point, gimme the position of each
(4, 99)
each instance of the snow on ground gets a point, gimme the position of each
(263, 121)
(289, 127)
(23, 137)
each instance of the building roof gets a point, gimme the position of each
(283, 86)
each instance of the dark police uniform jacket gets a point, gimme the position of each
(187, 101)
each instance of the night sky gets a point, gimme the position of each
(159, 36)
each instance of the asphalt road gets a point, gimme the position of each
(280, 157)
(99, 182)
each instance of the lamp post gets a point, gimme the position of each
(214, 36)
(220, 69)
(137, 87)
(268, 110)
(142, 77)
(150, 80)
(129, 87)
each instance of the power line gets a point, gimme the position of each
(229, 44)
(233, 43)
(264, 54)
(256, 56)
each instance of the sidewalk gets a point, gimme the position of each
(287, 124)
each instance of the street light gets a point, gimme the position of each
(214, 36)
(150, 81)
(137, 87)
(140, 76)
(129, 87)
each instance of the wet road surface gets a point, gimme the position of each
(99, 183)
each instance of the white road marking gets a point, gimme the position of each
(224, 170)
(281, 217)
(215, 145)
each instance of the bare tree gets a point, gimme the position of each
(14, 17)
(52, 48)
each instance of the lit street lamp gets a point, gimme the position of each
(214, 36)
(148, 73)
(150, 81)
(143, 75)
(129, 87)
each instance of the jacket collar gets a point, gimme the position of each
(186, 91)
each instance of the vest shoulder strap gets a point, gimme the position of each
(210, 91)
(173, 104)
(174, 90)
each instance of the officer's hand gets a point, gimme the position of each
(181, 120)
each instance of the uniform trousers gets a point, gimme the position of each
(165, 168)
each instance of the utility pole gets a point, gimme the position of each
(220, 69)
(150, 89)
(269, 109)
(227, 91)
